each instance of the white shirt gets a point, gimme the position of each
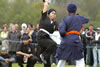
(97, 36)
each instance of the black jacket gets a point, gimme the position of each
(90, 38)
(29, 49)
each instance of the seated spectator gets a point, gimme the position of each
(26, 52)
(5, 59)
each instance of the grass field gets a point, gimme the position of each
(40, 65)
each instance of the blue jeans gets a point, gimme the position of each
(96, 56)
(89, 56)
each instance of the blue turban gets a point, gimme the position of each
(72, 8)
(97, 28)
(50, 10)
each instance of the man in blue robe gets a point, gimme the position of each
(71, 47)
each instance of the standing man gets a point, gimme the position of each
(47, 24)
(84, 41)
(90, 35)
(14, 39)
(71, 47)
(96, 48)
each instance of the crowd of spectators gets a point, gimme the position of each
(12, 36)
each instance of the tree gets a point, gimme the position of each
(3, 11)
(92, 8)
(21, 12)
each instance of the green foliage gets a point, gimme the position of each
(20, 11)
(94, 23)
(98, 16)
(3, 10)
(82, 12)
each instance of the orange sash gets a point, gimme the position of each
(73, 32)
